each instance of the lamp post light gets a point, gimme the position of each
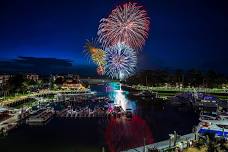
(103, 149)
(144, 143)
(171, 137)
(194, 129)
(175, 138)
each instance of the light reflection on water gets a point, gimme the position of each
(116, 94)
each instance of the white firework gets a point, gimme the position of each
(121, 61)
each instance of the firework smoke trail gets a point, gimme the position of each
(127, 23)
(121, 61)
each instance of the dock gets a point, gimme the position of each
(8, 124)
(81, 114)
(40, 118)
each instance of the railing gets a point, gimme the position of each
(198, 89)
(164, 145)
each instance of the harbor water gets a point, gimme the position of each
(91, 134)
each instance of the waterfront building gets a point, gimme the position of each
(72, 84)
(73, 77)
(54, 77)
(34, 77)
(3, 92)
(4, 79)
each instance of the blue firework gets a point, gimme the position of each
(121, 61)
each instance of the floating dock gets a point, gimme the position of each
(40, 118)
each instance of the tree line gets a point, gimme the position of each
(193, 78)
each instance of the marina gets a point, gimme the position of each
(78, 110)
(113, 76)
(109, 103)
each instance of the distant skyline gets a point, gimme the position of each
(183, 34)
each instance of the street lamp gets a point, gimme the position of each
(171, 136)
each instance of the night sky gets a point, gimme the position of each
(183, 33)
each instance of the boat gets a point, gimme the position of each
(217, 124)
(129, 114)
(213, 116)
(223, 116)
(208, 116)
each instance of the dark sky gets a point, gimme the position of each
(183, 33)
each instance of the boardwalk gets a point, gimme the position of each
(22, 98)
(176, 89)
(163, 144)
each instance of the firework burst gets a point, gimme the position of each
(127, 23)
(93, 51)
(121, 61)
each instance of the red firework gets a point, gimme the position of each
(127, 23)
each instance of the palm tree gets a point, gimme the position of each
(212, 143)
(39, 83)
(24, 87)
(179, 76)
(6, 90)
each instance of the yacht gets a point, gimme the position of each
(223, 116)
(129, 114)
(208, 116)
(217, 124)
(213, 116)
